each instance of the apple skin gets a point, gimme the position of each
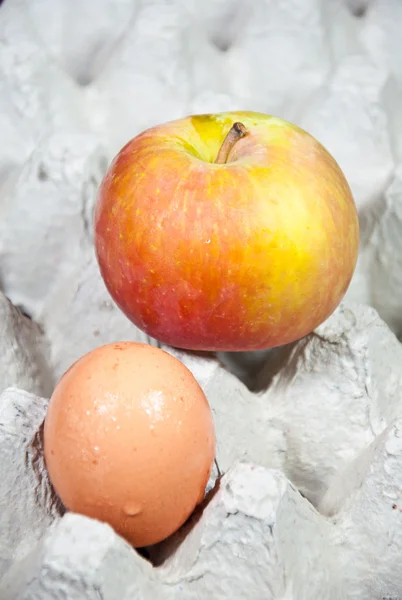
(246, 255)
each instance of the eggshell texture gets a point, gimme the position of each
(129, 440)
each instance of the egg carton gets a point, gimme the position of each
(307, 505)
(307, 501)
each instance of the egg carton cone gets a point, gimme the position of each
(304, 501)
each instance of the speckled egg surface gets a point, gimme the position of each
(129, 440)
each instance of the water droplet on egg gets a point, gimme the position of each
(132, 509)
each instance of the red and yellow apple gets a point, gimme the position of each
(234, 231)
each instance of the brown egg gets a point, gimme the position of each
(129, 440)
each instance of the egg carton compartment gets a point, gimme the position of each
(307, 502)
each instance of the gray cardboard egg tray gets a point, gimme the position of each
(309, 502)
(308, 505)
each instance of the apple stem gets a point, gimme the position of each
(236, 132)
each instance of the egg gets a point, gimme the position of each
(129, 440)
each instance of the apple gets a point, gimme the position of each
(233, 231)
